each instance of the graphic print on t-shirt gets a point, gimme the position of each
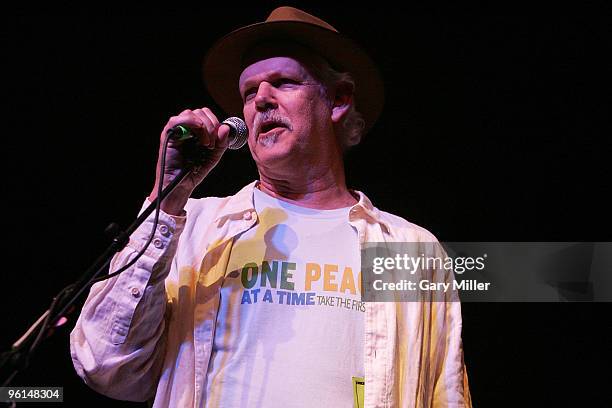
(323, 285)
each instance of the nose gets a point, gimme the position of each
(265, 98)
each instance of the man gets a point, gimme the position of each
(254, 300)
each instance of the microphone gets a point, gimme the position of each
(237, 136)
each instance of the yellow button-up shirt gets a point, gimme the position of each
(147, 334)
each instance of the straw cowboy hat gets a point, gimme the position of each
(224, 63)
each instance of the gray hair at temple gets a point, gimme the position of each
(353, 124)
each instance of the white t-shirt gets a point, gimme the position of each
(289, 331)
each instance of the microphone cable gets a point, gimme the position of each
(94, 279)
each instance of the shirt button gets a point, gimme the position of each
(135, 292)
(165, 231)
(247, 216)
(157, 243)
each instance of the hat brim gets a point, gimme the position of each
(223, 63)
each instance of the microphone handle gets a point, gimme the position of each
(181, 133)
(237, 136)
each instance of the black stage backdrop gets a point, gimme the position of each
(495, 128)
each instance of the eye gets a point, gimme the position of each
(249, 94)
(281, 83)
(285, 83)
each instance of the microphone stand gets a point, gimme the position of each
(17, 358)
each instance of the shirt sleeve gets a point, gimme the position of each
(118, 342)
(451, 382)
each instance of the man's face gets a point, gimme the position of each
(286, 111)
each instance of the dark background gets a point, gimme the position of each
(496, 128)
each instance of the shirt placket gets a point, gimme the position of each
(205, 317)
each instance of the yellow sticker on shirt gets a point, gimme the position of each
(358, 384)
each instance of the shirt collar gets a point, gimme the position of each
(239, 203)
(364, 209)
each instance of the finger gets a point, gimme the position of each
(213, 118)
(223, 136)
(222, 131)
(186, 118)
(215, 121)
(207, 138)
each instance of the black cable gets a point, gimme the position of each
(158, 201)
(65, 291)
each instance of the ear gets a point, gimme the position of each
(343, 99)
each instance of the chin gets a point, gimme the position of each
(272, 150)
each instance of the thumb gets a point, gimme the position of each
(223, 136)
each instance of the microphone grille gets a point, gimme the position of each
(239, 133)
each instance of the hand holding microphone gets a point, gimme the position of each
(237, 136)
(194, 129)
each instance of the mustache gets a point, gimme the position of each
(270, 116)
